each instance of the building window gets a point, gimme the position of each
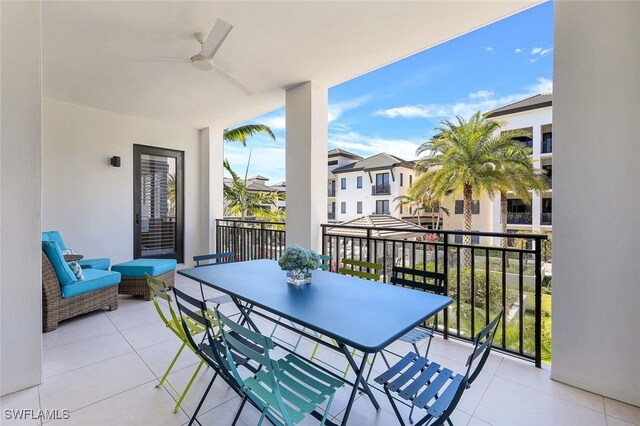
(359, 207)
(401, 208)
(475, 207)
(410, 210)
(459, 238)
(382, 207)
(382, 184)
(410, 180)
(359, 181)
(401, 179)
(343, 207)
(333, 163)
(343, 183)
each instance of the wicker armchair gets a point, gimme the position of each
(56, 309)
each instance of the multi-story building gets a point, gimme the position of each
(533, 115)
(367, 186)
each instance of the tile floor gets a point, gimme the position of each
(103, 368)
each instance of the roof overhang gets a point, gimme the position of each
(90, 50)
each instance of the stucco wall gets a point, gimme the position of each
(90, 202)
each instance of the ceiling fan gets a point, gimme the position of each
(203, 60)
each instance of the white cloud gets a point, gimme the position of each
(518, 50)
(339, 108)
(275, 121)
(370, 145)
(481, 94)
(544, 85)
(539, 52)
(266, 160)
(482, 100)
(490, 50)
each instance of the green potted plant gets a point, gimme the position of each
(299, 262)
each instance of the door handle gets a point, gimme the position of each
(137, 218)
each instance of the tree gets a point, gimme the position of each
(243, 202)
(466, 158)
(518, 176)
(242, 133)
(420, 203)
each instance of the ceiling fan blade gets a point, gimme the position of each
(155, 58)
(218, 34)
(233, 81)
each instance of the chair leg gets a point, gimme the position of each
(186, 390)
(235, 419)
(206, 392)
(373, 361)
(415, 348)
(175, 358)
(428, 346)
(393, 405)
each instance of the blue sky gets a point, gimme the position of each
(396, 108)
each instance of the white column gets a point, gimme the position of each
(596, 234)
(21, 189)
(306, 163)
(212, 146)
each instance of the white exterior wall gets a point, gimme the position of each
(20, 187)
(353, 194)
(596, 291)
(535, 119)
(91, 202)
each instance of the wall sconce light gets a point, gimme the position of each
(115, 161)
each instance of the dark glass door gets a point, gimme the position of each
(158, 199)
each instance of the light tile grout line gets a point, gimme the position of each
(559, 396)
(82, 340)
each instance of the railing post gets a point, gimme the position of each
(538, 297)
(445, 270)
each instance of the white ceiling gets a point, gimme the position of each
(273, 45)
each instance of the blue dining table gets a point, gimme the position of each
(356, 313)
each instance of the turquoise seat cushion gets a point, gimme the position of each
(138, 267)
(54, 236)
(99, 263)
(94, 279)
(64, 273)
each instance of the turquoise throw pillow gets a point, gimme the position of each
(77, 270)
(64, 273)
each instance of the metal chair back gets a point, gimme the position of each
(433, 282)
(214, 259)
(363, 269)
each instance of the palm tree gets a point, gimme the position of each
(242, 202)
(467, 159)
(419, 203)
(520, 177)
(242, 133)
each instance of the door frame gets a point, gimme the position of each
(138, 150)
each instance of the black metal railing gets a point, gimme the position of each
(331, 216)
(331, 192)
(519, 218)
(547, 146)
(545, 218)
(482, 277)
(250, 239)
(380, 189)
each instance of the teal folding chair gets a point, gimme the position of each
(354, 268)
(284, 390)
(325, 262)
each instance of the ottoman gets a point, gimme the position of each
(133, 275)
